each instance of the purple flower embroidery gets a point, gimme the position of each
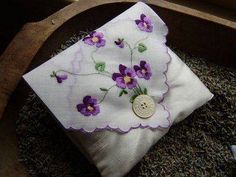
(89, 106)
(120, 43)
(125, 78)
(60, 78)
(144, 70)
(95, 38)
(144, 23)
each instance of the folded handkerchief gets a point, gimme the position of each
(119, 89)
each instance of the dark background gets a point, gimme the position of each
(15, 13)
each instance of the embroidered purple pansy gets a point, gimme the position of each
(89, 106)
(125, 78)
(144, 23)
(144, 70)
(95, 38)
(120, 43)
(60, 77)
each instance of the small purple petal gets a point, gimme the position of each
(122, 69)
(130, 72)
(96, 110)
(122, 45)
(142, 63)
(92, 33)
(136, 68)
(120, 82)
(142, 16)
(137, 21)
(141, 26)
(86, 99)
(80, 107)
(147, 20)
(149, 29)
(117, 42)
(148, 68)
(132, 84)
(92, 101)
(98, 34)
(88, 41)
(116, 75)
(147, 76)
(85, 112)
(139, 74)
(101, 43)
(60, 78)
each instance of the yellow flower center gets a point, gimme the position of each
(127, 79)
(95, 39)
(145, 25)
(143, 71)
(90, 108)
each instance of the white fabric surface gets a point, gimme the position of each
(115, 154)
(62, 98)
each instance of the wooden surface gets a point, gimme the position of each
(199, 32)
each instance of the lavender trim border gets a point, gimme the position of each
(108, 127)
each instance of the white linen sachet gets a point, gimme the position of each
(119, 89)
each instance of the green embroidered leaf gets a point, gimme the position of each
(53, 74)
(100, 66)
(141, 47)
(145, 91)
(132, 98)
(104, 89)
(123, 92)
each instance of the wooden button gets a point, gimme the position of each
(144, 106)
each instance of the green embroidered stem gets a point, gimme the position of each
(135, 92)
(108, 72)
(76, 74)
(94, 61)
(131, 53)
(141, 40)
(139, 88)
(106, 92)
(99, 66)
(132, 49)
